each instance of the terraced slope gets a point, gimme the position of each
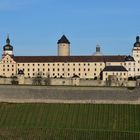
(69, 121)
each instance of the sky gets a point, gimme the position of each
(34, 26)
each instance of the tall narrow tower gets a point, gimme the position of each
(63, 46)
(7, 49)
(136, 55)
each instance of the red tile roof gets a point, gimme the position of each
(33, 59)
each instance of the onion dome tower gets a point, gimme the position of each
(63, 46)
(137, 43)
(8, 49)
(136, 55)
(136, 48)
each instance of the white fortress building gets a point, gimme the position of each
(100, 67)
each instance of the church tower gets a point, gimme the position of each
(7, 49)
(63, 46)
(136, 55)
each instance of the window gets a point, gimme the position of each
(95, 69)
(38, 64)
(43, 64)
(33, 69)
(84, 69)
(12, 69)
(33, 64)
(23, 64)
(84, 64)
(95, 64)
(38, 69)
(58, 64)
(7, 65)
(53, 69)
(58, 69)
(43, 69)
(3, 69)
(85, 74)
(48, 64)
(73, 64)
(28, 69)
(28, 64)
(12, 65)
(73, 69)
(79, 69)
(48, 69)
(7, 69)
(68, 69)
(3, 65)
(63, 69)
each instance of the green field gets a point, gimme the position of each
(69, 121)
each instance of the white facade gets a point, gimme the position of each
(66, 66)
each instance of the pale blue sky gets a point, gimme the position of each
(36, 25)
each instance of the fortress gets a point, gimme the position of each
(102, 68)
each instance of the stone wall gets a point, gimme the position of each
(61, 94)
(63, 81)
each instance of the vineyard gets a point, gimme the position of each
(69, 121)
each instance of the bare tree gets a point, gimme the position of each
(37, 80)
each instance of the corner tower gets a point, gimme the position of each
(63, 46)
(136, 55)
(7, 49)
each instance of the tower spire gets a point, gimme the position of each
(8, 39)
(137, 39)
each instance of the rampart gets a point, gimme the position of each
(69, 94)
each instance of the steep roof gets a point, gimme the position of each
(63, 39)
(41, 59)
(129, 58)
(114, 68)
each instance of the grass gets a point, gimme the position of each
(70, 121)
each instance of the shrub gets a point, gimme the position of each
(131, 88)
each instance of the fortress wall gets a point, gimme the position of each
(61, 94)
(63, 81)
